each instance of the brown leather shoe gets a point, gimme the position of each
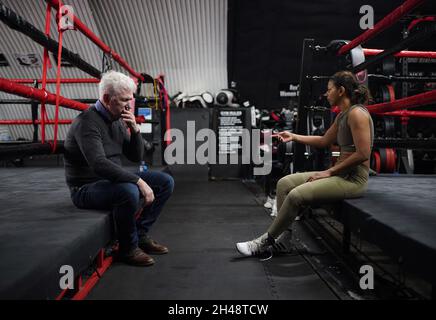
(137, 257)
(151, 247)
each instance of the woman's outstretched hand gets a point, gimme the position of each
(285, 136)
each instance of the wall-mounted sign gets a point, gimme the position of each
(289, 90)
(31, 60)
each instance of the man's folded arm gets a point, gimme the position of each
(90, 143)
(133, 146)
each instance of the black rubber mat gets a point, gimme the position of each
(41, 230)
(201, 224)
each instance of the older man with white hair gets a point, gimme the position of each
(93, 148)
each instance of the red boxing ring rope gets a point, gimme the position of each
(53, 81)
(396, 108)
(62, 121)
(400, 113)
(166, 104)
(31, 122)
(419, 20)
(383, 24)
(409, 102)
(46, 64)
(37, 94)
(403, 54)
(415, 114)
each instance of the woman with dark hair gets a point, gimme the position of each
(353, 131)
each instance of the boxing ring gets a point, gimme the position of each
(39, 237)
(397, 214)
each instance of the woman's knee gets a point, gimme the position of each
(295, 197)
(283, 185)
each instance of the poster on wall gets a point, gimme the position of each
(230, 125)
(31, 60)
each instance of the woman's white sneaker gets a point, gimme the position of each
(256, 246)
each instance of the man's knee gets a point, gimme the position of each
(166, 183)
(169, 183)
(128, 193)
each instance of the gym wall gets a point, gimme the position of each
(265, 40)
(186, 40)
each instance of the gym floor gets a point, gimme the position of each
(201, 224)
(42, 230)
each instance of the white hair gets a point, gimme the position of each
(113, 83)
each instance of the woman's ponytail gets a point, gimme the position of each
(361, 95)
